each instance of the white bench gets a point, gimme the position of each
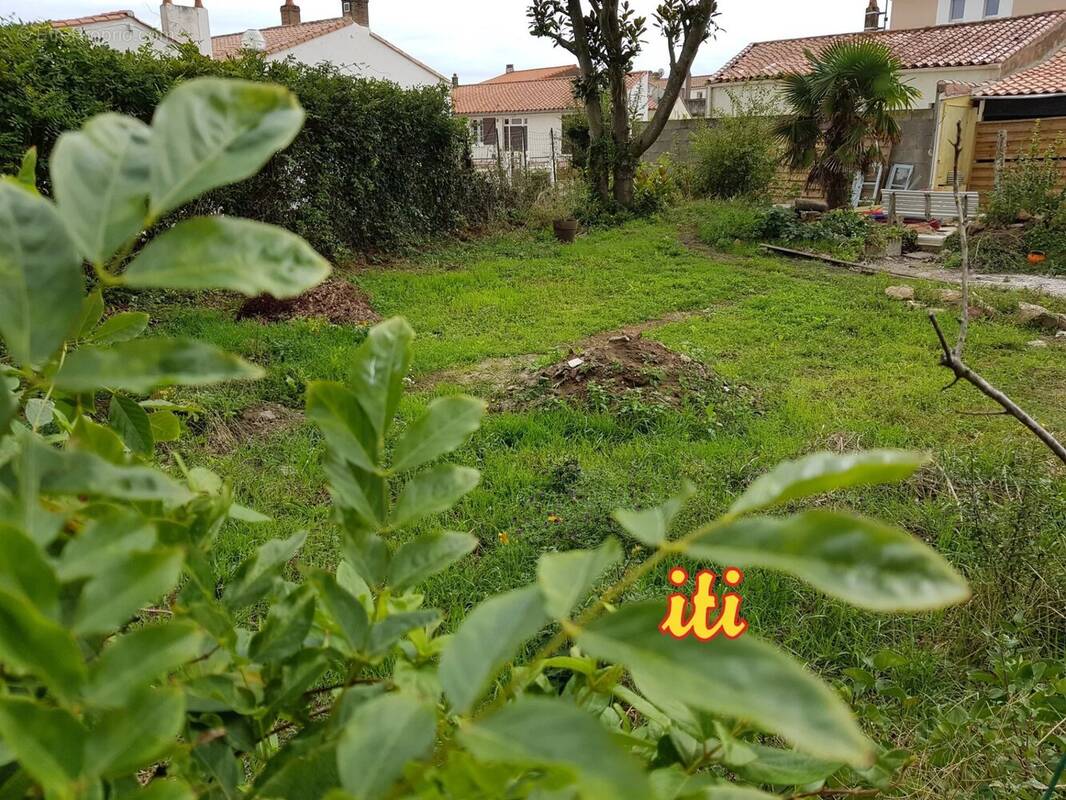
(929, 205)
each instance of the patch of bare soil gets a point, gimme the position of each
(252, 423)
(336, 300)
(613, 368)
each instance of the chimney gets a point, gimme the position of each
(510, 68)
(187, 24)
(360, 12)
(290, 13)
(873, 16)
(455, 80)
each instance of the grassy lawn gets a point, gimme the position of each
(814, 358)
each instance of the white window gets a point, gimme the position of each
(991, 8)
(958, 10)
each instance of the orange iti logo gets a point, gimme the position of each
(700, 615)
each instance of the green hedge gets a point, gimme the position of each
(376, 166)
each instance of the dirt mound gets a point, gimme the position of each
(252, 423)
(616, 367)
(337, 300)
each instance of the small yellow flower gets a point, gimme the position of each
(554, 519)
(504, 537)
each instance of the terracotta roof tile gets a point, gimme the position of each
(514, 97)
(539, 74)
(963, 45)
(280, 38)
(526, 96)
(106, 16)
(1043, 79)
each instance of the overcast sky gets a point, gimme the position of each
(477, 38)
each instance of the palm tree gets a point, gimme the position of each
(842, 114)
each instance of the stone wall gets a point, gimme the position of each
(916, 147)
(676, 140)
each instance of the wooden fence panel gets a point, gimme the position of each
(1019, 135)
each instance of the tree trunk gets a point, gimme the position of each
(838, 192)
(624, 175)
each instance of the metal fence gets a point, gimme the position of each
(521, 150)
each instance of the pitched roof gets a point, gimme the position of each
(106, 16)
(531, 96)
(961, 45)
(281, 37)
(538, 74)
(1042, 79)
(515, 96)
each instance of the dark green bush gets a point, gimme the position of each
(376, 166)
(1027, 186)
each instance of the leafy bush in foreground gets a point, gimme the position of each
(132, 669)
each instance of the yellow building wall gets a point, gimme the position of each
(954, 110)
(923, 13)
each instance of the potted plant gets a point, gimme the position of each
(561, 205)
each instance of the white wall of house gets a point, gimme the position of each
(126, 35)
(722, 96)
(356, 51)
(540, 130)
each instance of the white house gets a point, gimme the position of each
(517, 117)
(119, 30)
(345, 41)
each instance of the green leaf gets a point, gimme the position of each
(287, 624)
(210, 132)
(39, 412)
(166, 427)
(305, 768)
(257, 575)
(426, 556)
(100, 177)
(115, 595)
(41, 282)
(97, 440)
(133, 661)
(652, 526)
(121, 327)
(237, 255)
(355, 491)
(445, 426)
(143, 365)
(161, 789)
(566, 578)
(103, 542)
(28, 169)
(434, 491)
(92, 311)
(368, 557)
(135, 736)
(9, 406)
(538, 732)
(24, 570)
(344, 424)
(826, 472)
(868, 564)
(384, 634)
(31, 641)
(76, 472)
(742, 678)
(343, 609)
(131, 422)
(784, 767)
(49, 742)
(383, 736)
(381, 364)
(487, 639)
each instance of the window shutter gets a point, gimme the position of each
(488, 131)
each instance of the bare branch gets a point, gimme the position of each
(964, 373)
